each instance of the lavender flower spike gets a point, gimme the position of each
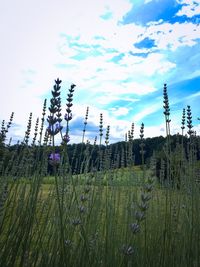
(66, 138)
(54, 158)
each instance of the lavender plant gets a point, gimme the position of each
(142, 144)
(85, 124)
(81, 220)
(68, 115)
(42, 121)
(54, 119)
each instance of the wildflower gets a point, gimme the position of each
(95, 140)
(166, 101)
(143, 206)
(54, 119)
(145, 197)
(142, 131)
(28, 131)
(127, 250)
(76, 222)
(189, 121)
(68, 243)
(183, 121)
(148, 187)
(85, 123)
(58, 126)
(82, 209)
(101, 127)
(107, 135)
(135, 228)
(42, 120)
(4, 129)
(139, 215)
(142, 144)
(36, 132)
(83, 198)
(66, 138)
(166, 109)
(54, 158)
(68, 116)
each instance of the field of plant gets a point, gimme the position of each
(96, 207)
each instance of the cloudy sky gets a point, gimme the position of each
(119, 53)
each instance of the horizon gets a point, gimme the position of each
(119, 53)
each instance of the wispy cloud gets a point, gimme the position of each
(147, 111)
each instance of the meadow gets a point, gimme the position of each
(105, 211)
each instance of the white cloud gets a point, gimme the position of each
(194, 74)
(125, 88)
(118, 128)
(155, 63)
(190, 8)
(146, 111)
(159, 130)
(109, 98)
(152, 131)
(119, 111)
(172, 36)
(192, 95)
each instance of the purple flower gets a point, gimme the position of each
(49, 129)
(135, 228)
(82, 209)
(66, 138)
(68, 116)
(54, 158)
(76, 222)
(127, 250)
(58, 126)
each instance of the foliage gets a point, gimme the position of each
(133, 203)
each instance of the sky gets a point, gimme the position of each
(119, 53)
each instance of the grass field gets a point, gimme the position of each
(99, 224)
(138, 216)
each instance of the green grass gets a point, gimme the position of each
(32, 233)
(114, 217)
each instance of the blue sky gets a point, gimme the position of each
(119, 53)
